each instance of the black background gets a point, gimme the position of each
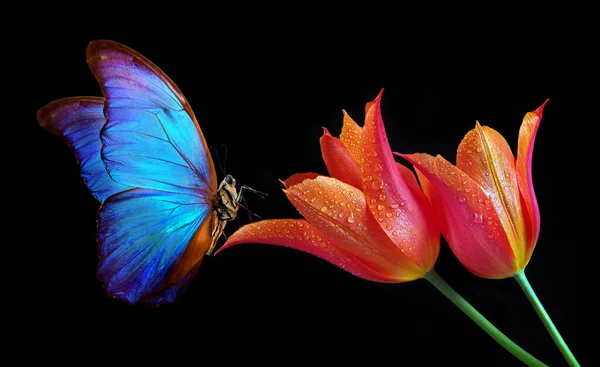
(266, 96)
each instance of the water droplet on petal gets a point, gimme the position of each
(382, 197)
(394, 206)
(388, 214)
(344, 192)
(351, 218)
(324, 209)
(478, 218)
(380, 207)
(389, 227)
(479, 150)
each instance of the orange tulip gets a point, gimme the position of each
(488, 209)
(490, 215)
(370, 217)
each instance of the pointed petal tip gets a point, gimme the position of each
(540, 109)
(326, 132)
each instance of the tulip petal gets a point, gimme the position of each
(527, 135)
(485, 156)
(472, 228)
(338, 160)
(339, 211)
(433, 196)
(301, 235)
(351, 136)
(299, 177)
(398, 210)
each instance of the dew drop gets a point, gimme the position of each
(403, 202)
(478, 218)
(469, 151)
(344, 192)
(373, 201)
(382, 197)
(395, 234)
(306, 236)
(394, 206)
(351, 218)
(388, 214)
(313, 200)
(389, 227)
(380, 207)
(340, 214)
(479, 150)
(462, 200)
(462, 175)
(452, 173)
(324, 209)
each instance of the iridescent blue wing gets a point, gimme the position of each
(142, 233)
(152, 237)
(78, 120)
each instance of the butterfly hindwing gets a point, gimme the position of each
(143, 233)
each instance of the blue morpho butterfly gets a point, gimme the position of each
(143, 156)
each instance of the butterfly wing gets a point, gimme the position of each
(153, 237)
(78, 120)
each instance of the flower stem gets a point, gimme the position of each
(480, 320)
(537, 305)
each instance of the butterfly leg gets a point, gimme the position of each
(216, 234)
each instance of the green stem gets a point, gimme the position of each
(537, 305)
(480, 320)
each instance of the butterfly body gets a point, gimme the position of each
(142, 154)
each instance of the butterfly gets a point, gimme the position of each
(143, 156)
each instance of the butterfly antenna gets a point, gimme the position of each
(224, 167)
(218, 158)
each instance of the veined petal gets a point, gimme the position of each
(398, 211)
(338, 160)
(299, 177)
(340, 212)
(485, 156)
(300, 235)
(472, 227)
(351, 136)
(527, 135)
(425, 205)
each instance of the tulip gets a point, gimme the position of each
(488, 210)
(370, 217)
